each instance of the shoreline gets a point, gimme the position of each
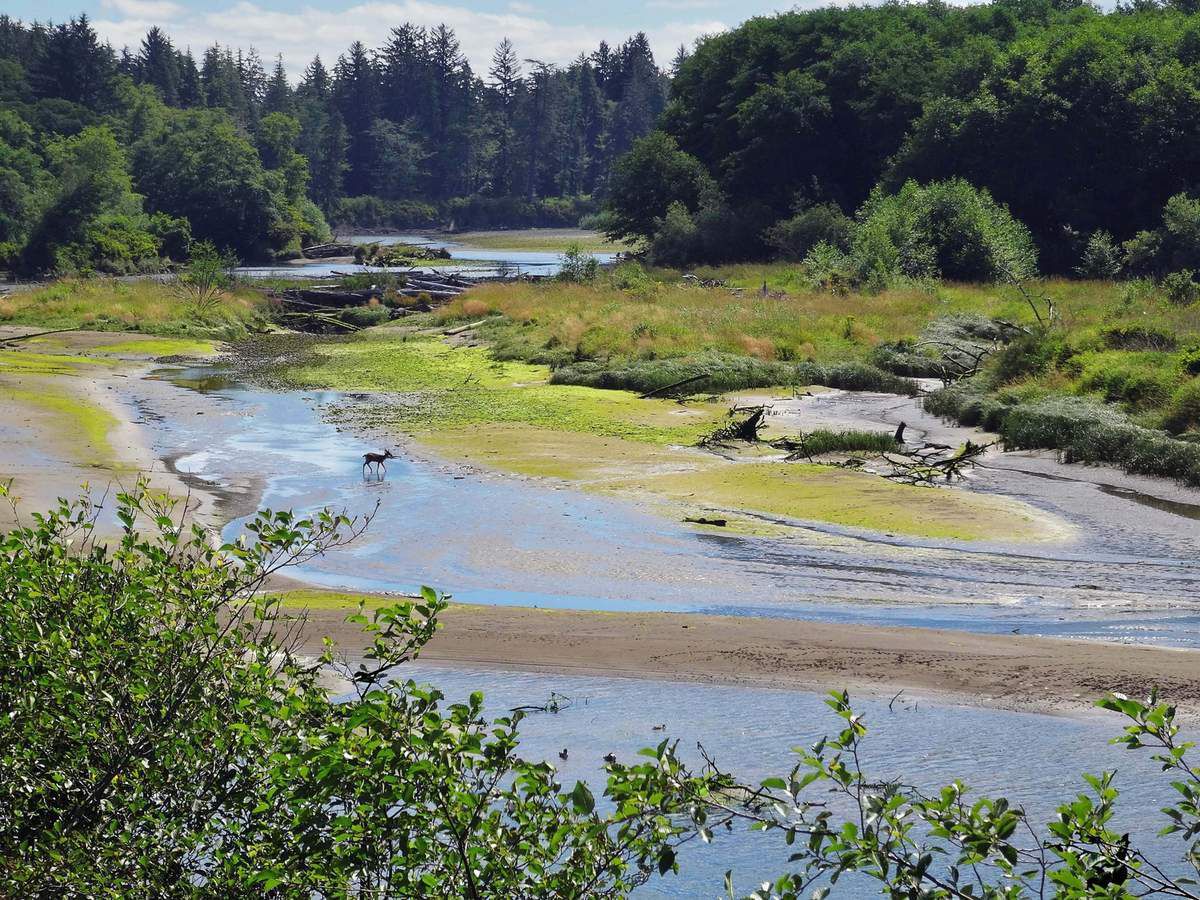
(1011, 672)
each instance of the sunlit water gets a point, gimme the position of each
(505, 540)
(487, 262)
(1034, 760)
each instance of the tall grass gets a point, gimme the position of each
(715, 373)
(822, 441)
(101, 304)
(1081, 429)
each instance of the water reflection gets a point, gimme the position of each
(1034, 760)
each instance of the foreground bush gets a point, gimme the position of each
(162, 738)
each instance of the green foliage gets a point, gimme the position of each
(827, 268)
(366, 316)
(822, 441)
(207, 278)
(578, 266)
(794, 238)
(1181, 287)
(722, 373)
(647, 182)
(161, 737)
(1081, 429)
(374, 212)
(948, 844)
(1101, 257)
(946, 229)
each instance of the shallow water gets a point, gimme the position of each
(1034, 760)
(507, 540)
(492, 262)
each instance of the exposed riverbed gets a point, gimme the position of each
(1128, 573)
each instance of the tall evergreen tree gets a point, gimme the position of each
(356, 94)
(277, 98)
(157, 65)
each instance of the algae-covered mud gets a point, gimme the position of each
(505, 415)
(69, 420)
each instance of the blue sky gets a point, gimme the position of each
(550, 30)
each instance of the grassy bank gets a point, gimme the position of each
(101, 304)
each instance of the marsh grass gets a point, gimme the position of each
(100, 304)
(823, 441)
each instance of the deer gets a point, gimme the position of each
(377, 460)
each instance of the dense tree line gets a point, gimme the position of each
(118, 160)
(1081, 122)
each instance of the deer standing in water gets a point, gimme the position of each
(377, 460)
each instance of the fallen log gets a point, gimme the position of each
(459, 329)
(318, 317)
(327, 251)
(678, 384)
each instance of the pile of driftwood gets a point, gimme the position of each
(322, 305)
(328, 251)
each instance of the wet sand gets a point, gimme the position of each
(41, 451)
(1007, 672)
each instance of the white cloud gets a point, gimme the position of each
(144, 9)
(301, 33)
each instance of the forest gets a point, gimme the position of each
(804, 128)
(116, 160)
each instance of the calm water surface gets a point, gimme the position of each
(1033, 760)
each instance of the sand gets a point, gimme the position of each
(1003, 671)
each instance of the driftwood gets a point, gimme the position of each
(746, 430)
(327, 251)
(320, 317)
(459, 329)
(933, 463)
(701, 520)
(670, 387)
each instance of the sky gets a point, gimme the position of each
(552, 31)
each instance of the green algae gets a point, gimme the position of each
(86, 424)
(439, 386)
(160, 346)
(25, 362)
(503, 415)
(854, 500)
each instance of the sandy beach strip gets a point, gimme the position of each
(1002, 671)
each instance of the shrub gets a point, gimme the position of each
(947, 229)
(676, 239)
(823, 223)
(723, 373)
(1181, 288)
(1183, 410)
(1101, 257)
(1138, 337)
(578, 266)
(366, 316)
(826, 268)
(162, 738)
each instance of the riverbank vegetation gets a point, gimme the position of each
(105, 304)
(235, 771)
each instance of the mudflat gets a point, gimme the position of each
(1005, 671)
